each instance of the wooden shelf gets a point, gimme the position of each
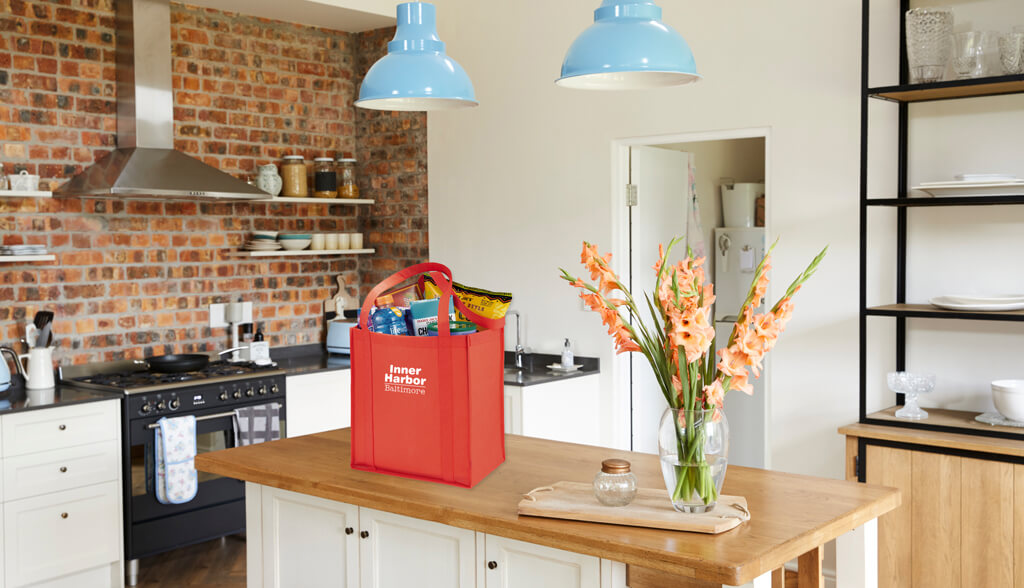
(26, 194)
(929, 311)
(304, 252)
(24, 258)
(950, 90)
(941, 419)
(286, 200)
(947, 201)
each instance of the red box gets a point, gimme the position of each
(428, 408)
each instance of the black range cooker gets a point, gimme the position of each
(211, 395)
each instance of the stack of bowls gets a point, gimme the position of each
(294, 241)
(1008, 396)
(262, 241)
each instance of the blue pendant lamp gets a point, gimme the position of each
(628, 48)
(416, 74)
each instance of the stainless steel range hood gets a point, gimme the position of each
(145, 163)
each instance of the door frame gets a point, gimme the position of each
(622, 435)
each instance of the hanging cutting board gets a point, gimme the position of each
(651, 508)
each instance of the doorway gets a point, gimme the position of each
(676, 181)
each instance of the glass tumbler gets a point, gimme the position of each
(967, 55)
(1011, 51)
(928, 43)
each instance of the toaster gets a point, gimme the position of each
(338, 335)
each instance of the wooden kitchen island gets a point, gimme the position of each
(314, 521)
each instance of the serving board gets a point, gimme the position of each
(651, 508)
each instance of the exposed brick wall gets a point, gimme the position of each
(135, 277)
(392, 154)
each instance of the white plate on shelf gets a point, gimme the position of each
(1012, 188)
(983, 178)
(982, 303)
(557, 367)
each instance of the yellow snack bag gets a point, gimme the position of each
(492, 305)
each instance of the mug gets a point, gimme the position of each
(318, 242)
(356, 240)
(344, 241)
(331, 241)
(39, 371)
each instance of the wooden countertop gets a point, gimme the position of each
(791, 514)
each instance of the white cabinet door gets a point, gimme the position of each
(308, 541)
(61, 469)
(567, 410)
(516, 564)
(400, 552)
(319, 402)
(61, 533)
(514, 410)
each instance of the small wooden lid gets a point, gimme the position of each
(615, 466)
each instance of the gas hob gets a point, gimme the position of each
(131, 376)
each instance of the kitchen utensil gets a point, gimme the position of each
(318, 242)
(575, 501)
(331, 241)
(31, 334)
(344, 241)
(44, 336)
(928, 46)
(967, 55)
(1008, 396)
(970, 303)
(43, 317)
(910, 385)
(177, 363)
(1011, 52)
(39, 371)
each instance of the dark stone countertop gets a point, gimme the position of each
(18, 399)
(536, 371)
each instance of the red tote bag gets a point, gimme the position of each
(428, 408)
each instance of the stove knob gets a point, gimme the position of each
(174, 404)
(274, 389)
(236, 394)
(262, 390)
(161, 405)
(249, 391)
(146, 408)
(223, 395)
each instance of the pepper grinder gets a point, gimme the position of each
(233, 317)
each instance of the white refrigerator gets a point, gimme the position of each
(737, 253)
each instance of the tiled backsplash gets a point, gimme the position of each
(135, 277)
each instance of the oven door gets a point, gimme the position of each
(218, 508)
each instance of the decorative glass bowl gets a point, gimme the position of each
(911, 385)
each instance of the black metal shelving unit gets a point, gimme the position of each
(903, 95)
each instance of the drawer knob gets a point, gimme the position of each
(63, 469)
(364, 534)
(349, 530)
(491, 565)
(62, 427)
(63, 515)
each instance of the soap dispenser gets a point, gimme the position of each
(567, 358)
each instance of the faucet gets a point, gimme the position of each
(519, 338)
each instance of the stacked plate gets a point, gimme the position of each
(982, 303)
(22, 249)
(262, 241)
(975, 185)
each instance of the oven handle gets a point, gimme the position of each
(202, 418)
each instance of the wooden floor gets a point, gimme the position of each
(219, 563)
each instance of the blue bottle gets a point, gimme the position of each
(387, 319)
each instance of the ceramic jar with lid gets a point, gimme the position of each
(268, 179)
(615, 484)
(347, 187)
(325, 182)
(293, 177)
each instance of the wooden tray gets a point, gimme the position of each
(650, 508)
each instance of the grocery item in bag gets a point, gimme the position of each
(387, 319)
(423, 313)
(492, 305)
(405, 295)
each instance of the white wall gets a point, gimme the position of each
(518, 183)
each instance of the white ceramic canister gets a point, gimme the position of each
(268, 179)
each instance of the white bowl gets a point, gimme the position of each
(1008, 396)
(295, 244)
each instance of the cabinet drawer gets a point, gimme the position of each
(61, 533)
(61, 469)
(60, 427)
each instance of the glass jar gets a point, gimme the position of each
(293, 177)
(325, 182)
(615, 485)
(347, 187)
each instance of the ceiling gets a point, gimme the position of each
(339, 15)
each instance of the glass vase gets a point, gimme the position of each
(694, 450)
(929, 35)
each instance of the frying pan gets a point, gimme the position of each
(176, 363)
